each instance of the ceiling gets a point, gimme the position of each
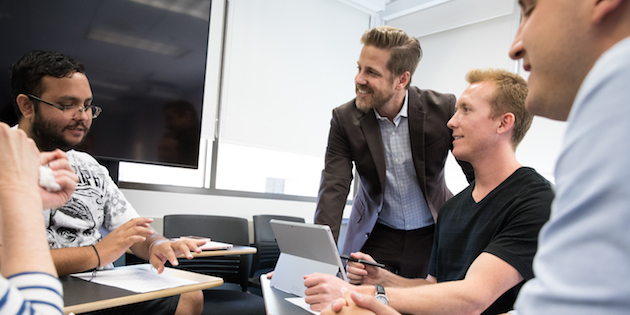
(387, 10)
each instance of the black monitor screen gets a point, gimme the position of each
(145, 60)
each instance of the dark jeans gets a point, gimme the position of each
(405, 253)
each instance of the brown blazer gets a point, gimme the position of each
(355, 136)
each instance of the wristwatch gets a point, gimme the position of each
(381, 295)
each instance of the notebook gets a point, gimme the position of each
(304, 249)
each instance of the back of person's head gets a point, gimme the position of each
(26, 73)
(508, 97)
(404, 49)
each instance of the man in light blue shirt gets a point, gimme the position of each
(578, 53)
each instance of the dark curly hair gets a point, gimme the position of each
(27, 73)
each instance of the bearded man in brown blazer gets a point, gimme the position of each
(397, 137)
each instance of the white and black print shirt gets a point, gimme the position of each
(96, 208)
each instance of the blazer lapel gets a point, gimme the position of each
(416, 135)
(372, 132)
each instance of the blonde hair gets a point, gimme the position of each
(508, 97)
(405, 50)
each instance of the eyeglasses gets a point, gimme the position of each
(71, 111)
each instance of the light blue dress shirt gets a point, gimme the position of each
(583, 261)
(404, 206)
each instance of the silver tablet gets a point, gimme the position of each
(304, 249)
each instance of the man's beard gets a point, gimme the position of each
(47, 139)
(378, 98)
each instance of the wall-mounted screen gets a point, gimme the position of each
(145, 60)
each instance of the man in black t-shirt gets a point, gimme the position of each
(505, 224)
(485, 237)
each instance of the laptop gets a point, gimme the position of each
(304, 249)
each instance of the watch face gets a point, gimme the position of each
(382, 299)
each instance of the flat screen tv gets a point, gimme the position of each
(145, 60)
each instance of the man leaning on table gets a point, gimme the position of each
(485, 236)
(395, 135)
(53, 101)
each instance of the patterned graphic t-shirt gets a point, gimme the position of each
(96, 208)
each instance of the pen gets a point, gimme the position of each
(362, 261)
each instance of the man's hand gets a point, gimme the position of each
(356, 303)
(19, 166)
(22, 222)
(322, 289)
(64, 176)
(114, 245)
(163, 250)
(359, 273)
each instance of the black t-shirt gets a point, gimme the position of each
(505, 224)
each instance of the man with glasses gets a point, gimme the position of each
(53, 102)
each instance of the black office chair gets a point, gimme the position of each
(267, 253)
(232, 297)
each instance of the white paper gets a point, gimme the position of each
(137, 278)
(299, 301)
